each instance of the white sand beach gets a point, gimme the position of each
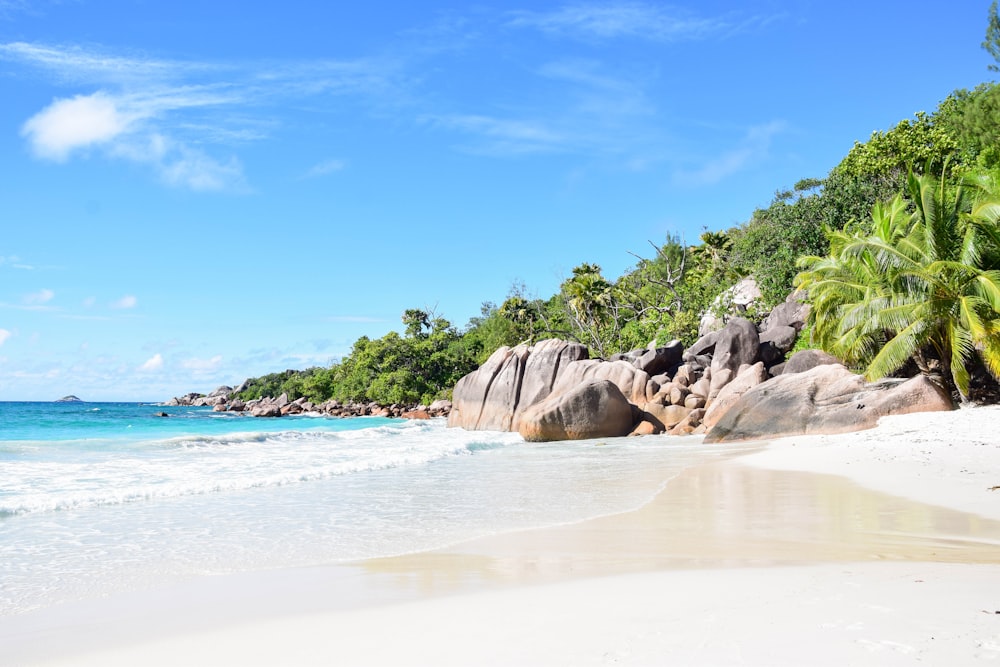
(873, 548)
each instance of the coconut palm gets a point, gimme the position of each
(923, 285)
(589, 298)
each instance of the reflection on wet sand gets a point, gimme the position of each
(717, 515)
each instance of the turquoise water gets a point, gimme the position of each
(122, 422)
(97, 498)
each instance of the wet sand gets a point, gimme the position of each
(744, 561)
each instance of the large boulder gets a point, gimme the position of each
(805, 360)
(792, 313)
(627, 377)
(546, 361)
(665, 416)
(703, 346)
(658, 360)
(479, 401)
(734, 300)
(738, 345)
(492, 397)
(827, 399)
(749, 377)
(594, 408)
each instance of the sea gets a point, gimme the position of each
(100, 498)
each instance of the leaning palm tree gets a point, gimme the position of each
(923, 285)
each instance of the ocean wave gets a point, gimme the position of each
(207, 464)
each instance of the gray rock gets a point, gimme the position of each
(733, 301)
(805, 360)
(781, 336)
(594, 408)
(629, 379)
(749, 377)
(738, 345)
(703, 346)
(827, 399)
(512, 379)
(792, 313)
(662, 359)
(265, 410)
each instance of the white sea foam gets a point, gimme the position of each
(205, 464)
(86, 518)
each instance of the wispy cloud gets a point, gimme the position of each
(754, 148)
(154, 363)
(167, 114)
(39, 298)
(126, 302)
(77, 65)
(326, 167)
(202, 365)
(8, 8)
(4, 335)
(637, 20)
(502, 136)
(14, 262)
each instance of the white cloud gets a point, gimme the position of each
(154, 363)
(124, 126)
(197, 171)
(502, 136)
(76, 64)
(202, 365)
(127, 301)
(4, 335)
(15, 262)
(70, 124)
(640, 20)
(145, 110)
(326, 167)
(40, 297)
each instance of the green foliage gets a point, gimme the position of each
(922, 286)
(419, 367)
(769, 245)
(920, 142)
(992, 41)
(972, 118)
(294, 383)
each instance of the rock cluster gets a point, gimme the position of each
(223, 400)
(733, 383)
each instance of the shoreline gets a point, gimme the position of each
(746, 530)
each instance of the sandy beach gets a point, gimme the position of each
(873, 548)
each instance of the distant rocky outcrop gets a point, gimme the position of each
(224, 399)
(70, 399)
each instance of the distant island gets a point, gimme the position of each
(70, 399)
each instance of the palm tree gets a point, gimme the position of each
(589, 298)
(924, 284)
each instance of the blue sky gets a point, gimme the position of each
(196, 192)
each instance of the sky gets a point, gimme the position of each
(193, 193)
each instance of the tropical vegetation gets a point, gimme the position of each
(920, 286)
